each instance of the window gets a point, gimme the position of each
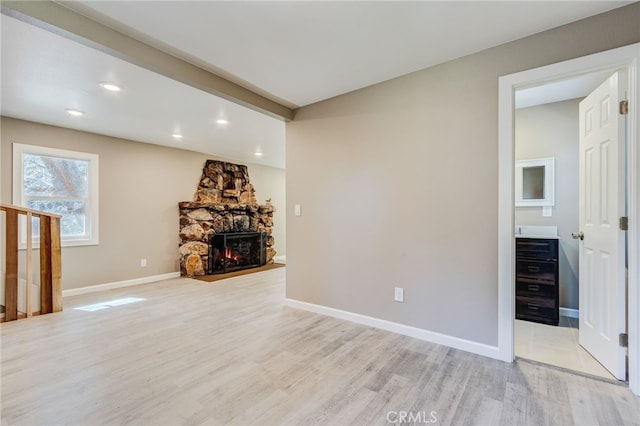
(61, 182)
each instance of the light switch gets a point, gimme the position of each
(398, 294)
(296, 209)
(547, 211)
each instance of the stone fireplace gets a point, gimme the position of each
(224, 208)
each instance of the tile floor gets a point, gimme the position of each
(556, 346)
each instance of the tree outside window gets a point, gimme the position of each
(60, 182)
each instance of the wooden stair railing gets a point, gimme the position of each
(50, 261)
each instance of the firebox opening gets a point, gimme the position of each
(234, 251)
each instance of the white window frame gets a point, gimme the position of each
(91, 207)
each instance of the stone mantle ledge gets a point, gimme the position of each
(261, 208)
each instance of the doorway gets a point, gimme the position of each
(623, 58)
(546, 130)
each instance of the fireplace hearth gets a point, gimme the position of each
(235, 251)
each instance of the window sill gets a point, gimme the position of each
(63, 244)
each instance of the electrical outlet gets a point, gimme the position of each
(143, 263)
(398, 294)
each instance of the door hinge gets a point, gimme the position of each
(623, 340)
(624, 107)
(624, 223)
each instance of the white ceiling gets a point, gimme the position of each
(561, 90)
(294, 52)
(304, 52)
(43, 74)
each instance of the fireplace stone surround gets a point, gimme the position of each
(224, 202)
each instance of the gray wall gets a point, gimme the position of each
(140, 187)
(551, 130)
(398, 185)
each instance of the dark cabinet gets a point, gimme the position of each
(537, 292)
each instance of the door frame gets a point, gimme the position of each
(627, 57)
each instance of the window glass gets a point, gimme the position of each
(60, 182)
(55, 177)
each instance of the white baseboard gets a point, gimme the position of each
(280, 259)
(418, 333)
(570, 312)
(118, 284)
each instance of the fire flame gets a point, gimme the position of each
(229, 254)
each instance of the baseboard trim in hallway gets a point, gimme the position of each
(569, 312)
(119, 284)
(406, 330)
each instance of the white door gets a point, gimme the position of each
(602, 294)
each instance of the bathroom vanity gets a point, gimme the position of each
(537, 293)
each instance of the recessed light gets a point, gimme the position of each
(110, 87)
(257, 154)
(74, 112)
(177, 136)
(222, 121)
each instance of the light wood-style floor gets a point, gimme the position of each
(229, 352)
